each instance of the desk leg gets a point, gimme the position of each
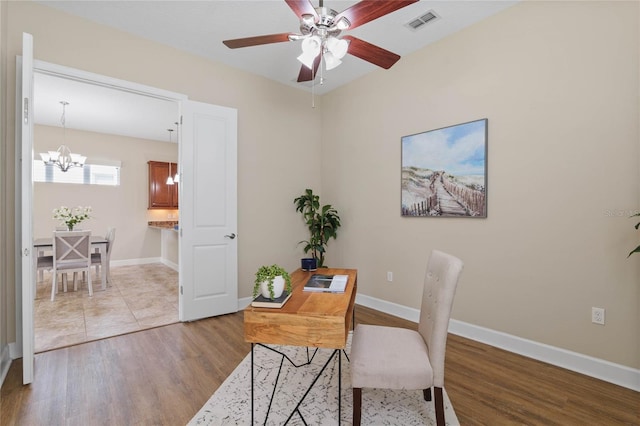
(252, 384)
(339, 387)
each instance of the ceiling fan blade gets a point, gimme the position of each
(368, 10)
(256, 41)
(302, 7)
(371, 53)
(306, 74)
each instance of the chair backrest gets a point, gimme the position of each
(71, 249)
(440, 282)
(110, 237)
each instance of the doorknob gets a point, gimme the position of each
(232, 236)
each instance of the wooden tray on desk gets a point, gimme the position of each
(312, 319)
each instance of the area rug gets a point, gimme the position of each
(231, 403)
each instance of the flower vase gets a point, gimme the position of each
(70, 227)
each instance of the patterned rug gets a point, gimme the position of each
(231, 403)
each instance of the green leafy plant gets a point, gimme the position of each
(637, 249)
(71, 217)
(268, 273)
(323, 223)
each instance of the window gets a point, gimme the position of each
(90, 174)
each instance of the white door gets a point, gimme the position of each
(208, 211)
(24, 203)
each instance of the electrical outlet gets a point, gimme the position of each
(389, 276)
(597, 315)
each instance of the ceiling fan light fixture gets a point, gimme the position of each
(343, 23)
(312, 45)
(307, 59)
(308, 20)
(338, 47)
(310, 49)
(331, 61)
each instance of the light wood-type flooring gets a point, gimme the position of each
(164, 375)
(137, 298)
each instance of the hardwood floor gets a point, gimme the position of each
(163, 376)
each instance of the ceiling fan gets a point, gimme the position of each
(319, 31)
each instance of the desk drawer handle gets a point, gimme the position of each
(232, 236)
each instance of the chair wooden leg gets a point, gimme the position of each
(357, 406)
(427, 394)
(439, 405)
(89, 282)
(54, 285)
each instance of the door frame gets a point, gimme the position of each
(25, 305)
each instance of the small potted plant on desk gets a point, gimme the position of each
(271, 281)
(323, 224)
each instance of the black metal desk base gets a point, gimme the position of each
(309, 360)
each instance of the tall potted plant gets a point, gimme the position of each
(637, 249)
(322, 222)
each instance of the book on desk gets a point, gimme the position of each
(265, 302)
(326, 283)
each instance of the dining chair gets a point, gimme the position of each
(43, 263)
(399, 358)
(71, 253)
(96, 258)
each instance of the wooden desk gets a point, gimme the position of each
(320, 320)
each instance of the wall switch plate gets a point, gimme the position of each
(389, 276)
(597, 315)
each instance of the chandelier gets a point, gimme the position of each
(63, 157)
(321, 38)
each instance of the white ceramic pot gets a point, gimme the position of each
(278, 287)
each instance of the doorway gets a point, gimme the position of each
(110, 127)
(208, 199)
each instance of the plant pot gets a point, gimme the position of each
(309, 264)
(278, 287)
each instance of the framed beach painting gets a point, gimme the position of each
(444, 172)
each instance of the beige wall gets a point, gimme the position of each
(123, 207)
(273, 166)
(558, 82)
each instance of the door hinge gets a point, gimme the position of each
(26, 110)
(181, 290)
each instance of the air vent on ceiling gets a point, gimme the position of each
(421, 20)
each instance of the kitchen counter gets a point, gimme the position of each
(163, 224)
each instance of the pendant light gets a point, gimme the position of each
(170, 180)
(176, 177)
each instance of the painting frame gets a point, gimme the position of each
(444, 171)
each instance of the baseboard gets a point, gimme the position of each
(141, 261)
(5, 363)
(594, 367)
(170, 264)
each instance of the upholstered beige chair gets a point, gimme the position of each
(71, 253)
(399, 358)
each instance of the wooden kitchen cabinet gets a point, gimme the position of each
(161, 195)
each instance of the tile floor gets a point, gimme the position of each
(140, 297)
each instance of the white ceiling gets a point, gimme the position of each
(199, 27)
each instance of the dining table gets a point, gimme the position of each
(99, 242)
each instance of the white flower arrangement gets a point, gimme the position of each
(72, 217)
